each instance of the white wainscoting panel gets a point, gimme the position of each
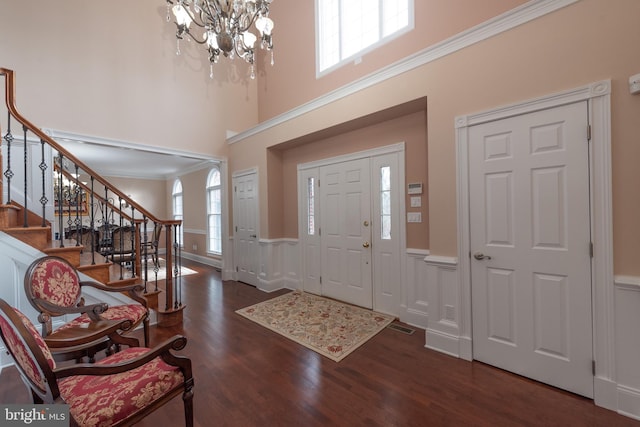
(443, 294)
(228, 271)
(292, 277)
(416, 305)
(278, 264)
(627, 345)
(15, 258)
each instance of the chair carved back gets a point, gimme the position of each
(32, 356)
(52, 282)
(120, 389)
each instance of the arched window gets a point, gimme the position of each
(214, 212)
(178, 212)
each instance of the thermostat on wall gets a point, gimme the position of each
(414, 188)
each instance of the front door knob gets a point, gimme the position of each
(365, 245)
(480, 256)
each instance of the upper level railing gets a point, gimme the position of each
(45, 179)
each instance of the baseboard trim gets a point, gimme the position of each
(629, 402)
(217, 263)
(442, 342)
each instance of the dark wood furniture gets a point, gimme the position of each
(123, 245)
(118, 390)
(54, 289)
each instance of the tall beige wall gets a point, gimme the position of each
(146, 192)
(292, 80)
(110, 70)
(409, 129)
(195, 211)
(585, 42)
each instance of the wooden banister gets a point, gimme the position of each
(169, 225)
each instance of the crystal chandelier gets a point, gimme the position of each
(225, 25)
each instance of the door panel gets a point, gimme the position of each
(530, 226)
(346, 260)
(245, 208)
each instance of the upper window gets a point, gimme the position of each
(214, 212)
(178, 213)
(349, 28)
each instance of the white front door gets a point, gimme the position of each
(530, 246)
(346, 232)
(245, 223)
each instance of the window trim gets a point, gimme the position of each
(209, 189)
(356, 58)
(174, 195)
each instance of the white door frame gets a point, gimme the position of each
(238, 174)
(598, 95)
(379, 303)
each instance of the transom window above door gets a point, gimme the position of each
(346, 29)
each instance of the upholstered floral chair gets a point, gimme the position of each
(120, 389)
(54, 289)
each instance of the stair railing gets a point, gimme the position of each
(92, 199)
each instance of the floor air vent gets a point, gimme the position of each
(401, 328)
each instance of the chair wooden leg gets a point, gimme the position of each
(145, 327)
(187, 397)
(36, 399)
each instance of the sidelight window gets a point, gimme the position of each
(385, 203)
(214, 212)
(311, 214)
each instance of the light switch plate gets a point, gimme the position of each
(414, 216)
(416, 201)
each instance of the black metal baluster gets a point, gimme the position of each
(145, 253)
(133, 242)
(176, 267)
(92, 224)
(25, 159)
(60, 200)
(43, 199)
(8, 173)
(156, 265)
(121, 238)
(77, 196)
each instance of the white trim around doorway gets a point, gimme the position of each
(598, 96)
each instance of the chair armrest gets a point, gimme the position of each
(177, 342)
(114, 288)
(133, 291)
(92, 310)
(86, 333)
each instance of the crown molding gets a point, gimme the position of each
(525, 13)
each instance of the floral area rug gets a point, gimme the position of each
(328, 327)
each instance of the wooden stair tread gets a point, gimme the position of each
(5, 206)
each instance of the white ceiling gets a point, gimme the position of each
(134, 162)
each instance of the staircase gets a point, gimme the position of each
(48, 195)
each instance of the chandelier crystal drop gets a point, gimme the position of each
(225, 26)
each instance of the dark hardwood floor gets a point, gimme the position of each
(247, 375)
